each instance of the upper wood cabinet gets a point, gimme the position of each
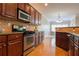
(28, 8)
(0, 8)
(39, 19)
(21, 6)
(36, 17)
(32, 15)
(9, 10)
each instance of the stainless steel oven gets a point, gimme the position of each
(29, 41)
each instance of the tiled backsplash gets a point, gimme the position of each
(6, 25)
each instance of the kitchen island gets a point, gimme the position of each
(68, 40)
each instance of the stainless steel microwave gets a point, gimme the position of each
(23, 15)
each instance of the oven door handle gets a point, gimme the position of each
(29, 36)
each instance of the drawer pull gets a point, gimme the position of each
(16, 36)
(0, 46)
(4, 45)
(10, 43)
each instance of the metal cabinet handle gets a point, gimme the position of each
(10, 43)
(0, 46)
(4, 45)
(16, 36)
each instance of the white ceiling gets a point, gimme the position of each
(67, 10)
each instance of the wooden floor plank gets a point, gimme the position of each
(47, 48)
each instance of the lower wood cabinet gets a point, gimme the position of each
(71, 48)
(3, 45)
(62, 40)
(15, 48)
(74, 46)
(76, 50)
(11, 45)
(2, 50)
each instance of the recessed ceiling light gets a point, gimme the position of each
(46, 4)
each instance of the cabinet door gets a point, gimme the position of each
(15, 48)
(39, 21)
(62, 40)
(1, 50)
(9, 10)
(28, 8)
(32, 15)
(0, 8)
(58, 39)
(76, 50)
(3, 45)
(36, 17)
(21, 6)
(71, 48)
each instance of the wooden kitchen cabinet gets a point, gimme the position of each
(76, 50)
(74, 45)
(1, 49)
(39, 18)
(36, 17)
(0, 8)
(11, 45)
(71, 48)
(32, 15)
(3, 45)
(25, 7)
(62, 40)
(15, 44)
(21, 6)
(15, 48)
(28, 8)
(9, 10)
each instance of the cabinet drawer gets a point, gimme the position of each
(15, 37)
(3, 38)
(15, 48)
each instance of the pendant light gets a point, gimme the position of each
(59, 18)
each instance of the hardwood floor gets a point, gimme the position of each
(47, 48)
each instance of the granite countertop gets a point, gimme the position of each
(74, 33)
(7, 33)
